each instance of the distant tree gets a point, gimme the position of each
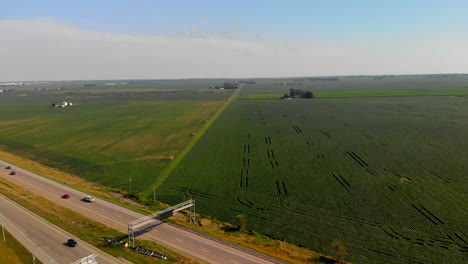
(340, 251)
(241, 222)
(293, 93)
(308, 94)
(53, 104)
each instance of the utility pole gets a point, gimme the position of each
(3, 223)
(130, 182)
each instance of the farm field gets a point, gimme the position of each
(362, 86)
(105, 91)
(384, 175)
(369, 93)
(105, 142)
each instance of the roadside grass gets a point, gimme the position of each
(253, 240)
(85, 228)
(13, 251)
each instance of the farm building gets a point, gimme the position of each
(64, 104)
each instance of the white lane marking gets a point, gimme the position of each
(178, 239)
(234, 262)
(204, 250)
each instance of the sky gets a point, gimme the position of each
(138, 39)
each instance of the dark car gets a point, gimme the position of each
(66, 196)
(71, 243)
(13, 173)
(8, 167)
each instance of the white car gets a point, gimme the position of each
(88, 199)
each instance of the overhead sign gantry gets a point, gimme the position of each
(157, 217)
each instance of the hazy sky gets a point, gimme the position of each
(117, 39)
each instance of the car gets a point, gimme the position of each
(8, 167)
(13, 173)
(88, 199)
(66, 196)
(72, 242)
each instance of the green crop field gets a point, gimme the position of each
(105, 141)
(99, 91)
(384, 175)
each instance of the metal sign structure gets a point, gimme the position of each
(161, 215)
(91, 259)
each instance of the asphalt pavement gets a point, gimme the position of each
(45, 241)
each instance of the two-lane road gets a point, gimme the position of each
(119, 217)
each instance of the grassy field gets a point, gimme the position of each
(385, 175)
(104, 142)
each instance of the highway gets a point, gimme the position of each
(118, 217)
(45, 241)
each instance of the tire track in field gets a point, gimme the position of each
(244, 172)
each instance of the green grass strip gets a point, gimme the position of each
(181, 155)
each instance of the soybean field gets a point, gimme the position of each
(386, 176)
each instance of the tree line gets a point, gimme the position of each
(298, 93)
